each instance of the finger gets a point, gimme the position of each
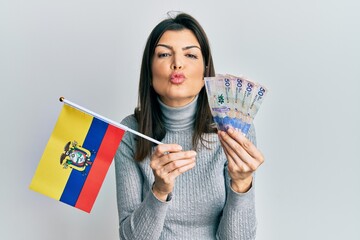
(168, 176)
(171, 158)
(171, 161)
(246, 144)
(178, 156)
(163, 149)
(173, 165)
(178, 171)
(234, 162)
(240, 145)
(233, 148)
(231, 164)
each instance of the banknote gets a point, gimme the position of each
(218, 99)
(234, 101)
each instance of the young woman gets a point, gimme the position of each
(199, 183)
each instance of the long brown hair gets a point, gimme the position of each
(148, 113)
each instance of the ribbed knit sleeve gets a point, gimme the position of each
(238, 220)
(141, 217)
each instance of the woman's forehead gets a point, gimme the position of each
(181, 38)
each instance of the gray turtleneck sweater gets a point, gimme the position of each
(203, 205)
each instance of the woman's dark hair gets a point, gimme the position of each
(148, 113)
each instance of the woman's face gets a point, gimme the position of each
(177, 68)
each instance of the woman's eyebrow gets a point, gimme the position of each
(164, 45)
(171, 48)
(193, 46)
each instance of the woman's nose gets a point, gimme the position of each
(177, 63)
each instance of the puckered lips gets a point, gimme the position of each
(177, 78)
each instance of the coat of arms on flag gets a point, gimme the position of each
(75, 156)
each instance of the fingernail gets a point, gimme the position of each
(231, 130)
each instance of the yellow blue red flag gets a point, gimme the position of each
(76, 158)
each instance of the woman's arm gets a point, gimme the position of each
(139, 215)
(238, 219)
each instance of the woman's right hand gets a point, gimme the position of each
(167, 162)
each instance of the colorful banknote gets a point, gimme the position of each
(234, 101)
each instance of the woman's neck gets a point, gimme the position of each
(179, 118)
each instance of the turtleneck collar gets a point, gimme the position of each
(179, 118)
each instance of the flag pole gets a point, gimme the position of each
(109, 121)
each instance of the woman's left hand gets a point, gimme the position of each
(243, 158)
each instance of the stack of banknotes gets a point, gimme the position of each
(234, 101)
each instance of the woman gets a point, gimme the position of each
(199, 183)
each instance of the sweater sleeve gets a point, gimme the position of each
(140, 217)
(238, 219)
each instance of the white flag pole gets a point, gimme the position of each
(109, 121)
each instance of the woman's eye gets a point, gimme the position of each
(191, 56)
(162, 55)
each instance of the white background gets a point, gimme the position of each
(306, 52)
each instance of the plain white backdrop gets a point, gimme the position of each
(306, 52)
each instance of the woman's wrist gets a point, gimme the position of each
(163, 196)
(242, 185)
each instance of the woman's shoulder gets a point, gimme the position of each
(130, 121)
(129, 139)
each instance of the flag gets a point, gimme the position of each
(76, 158)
